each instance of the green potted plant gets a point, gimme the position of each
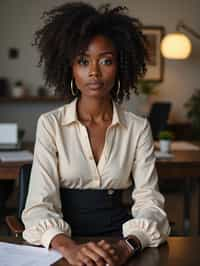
(193, 112)
(165, 139)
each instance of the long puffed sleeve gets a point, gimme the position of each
(42, 216)
(149, 221)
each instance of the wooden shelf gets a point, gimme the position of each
(32, 99)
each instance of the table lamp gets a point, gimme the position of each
(177, 45)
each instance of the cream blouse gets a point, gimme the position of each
(63, 158)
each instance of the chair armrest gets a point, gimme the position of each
(14, 225)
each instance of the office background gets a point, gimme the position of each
(19, 20)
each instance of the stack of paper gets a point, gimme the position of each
(20, 255)
(16, 156)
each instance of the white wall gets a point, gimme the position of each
(19, 19)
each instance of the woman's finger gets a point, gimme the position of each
(85, 259)
(86, 250)
(109, 247)
(104, 254)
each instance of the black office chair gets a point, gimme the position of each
(158, 117)
(14, 223)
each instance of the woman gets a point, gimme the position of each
(86, 151)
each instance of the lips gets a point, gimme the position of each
(95, 84)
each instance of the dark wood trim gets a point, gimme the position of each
(34, 99)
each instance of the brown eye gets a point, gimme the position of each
(83, 61)
(106, 61)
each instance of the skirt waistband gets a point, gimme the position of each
(92, 198)
(93, 212)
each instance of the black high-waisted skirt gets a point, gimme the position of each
(94, 212)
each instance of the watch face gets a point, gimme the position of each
(133, 244)
(129, 245)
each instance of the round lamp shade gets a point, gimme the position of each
(176, 46)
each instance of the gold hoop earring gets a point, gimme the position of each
(72, 88)
(118, 88)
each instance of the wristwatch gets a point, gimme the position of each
(134, 244)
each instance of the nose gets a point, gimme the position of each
(94, 70)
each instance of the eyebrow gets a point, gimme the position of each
(102, 53)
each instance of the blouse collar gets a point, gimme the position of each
(70, 114)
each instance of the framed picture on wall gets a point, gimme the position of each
(155, 64)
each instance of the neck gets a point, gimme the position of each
(94, 109)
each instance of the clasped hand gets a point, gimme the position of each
(97, 254)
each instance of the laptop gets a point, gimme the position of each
(9, 137)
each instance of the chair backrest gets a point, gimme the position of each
(158, 117)
(24, 177)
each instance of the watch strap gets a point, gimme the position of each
(134, 244)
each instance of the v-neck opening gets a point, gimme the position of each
(91, 150)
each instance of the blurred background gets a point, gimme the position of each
(23, 96)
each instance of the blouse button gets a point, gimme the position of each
(111, 192)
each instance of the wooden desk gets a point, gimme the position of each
(179, 251)
(10, 171)
(185, 165)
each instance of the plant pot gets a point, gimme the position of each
(18, 91)
(165, 145)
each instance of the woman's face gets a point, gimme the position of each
(95, 70)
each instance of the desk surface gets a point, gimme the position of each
(11, 170)
(183, 164)
(179, 251)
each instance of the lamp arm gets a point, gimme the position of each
(182, 25)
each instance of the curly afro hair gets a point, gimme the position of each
(68, 30)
